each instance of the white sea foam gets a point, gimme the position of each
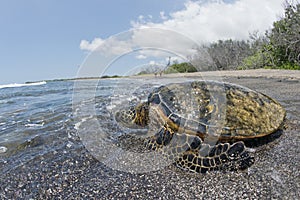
(34, 125)
(111, 107)
(3, 149)
(12, 85)
(78, 124)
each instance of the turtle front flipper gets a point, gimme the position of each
(224, 157)
(160, 139)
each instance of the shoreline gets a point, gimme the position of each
(263, 73)
(71, 171)
(258, 73)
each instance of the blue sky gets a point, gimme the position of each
(42, 39)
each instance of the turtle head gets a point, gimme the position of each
(134, 116)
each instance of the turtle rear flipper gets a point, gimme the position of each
(191, 153)
(219, 157)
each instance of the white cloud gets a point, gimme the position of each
(141, 17)
(152, 62)
(163, 16)
(147, 42)
(90, 46)
(200, 21)
(141, 56)
(162, 42)
(110, 46)
(116, 46)
(213, 20)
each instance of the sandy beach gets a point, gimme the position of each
(257, 73)
(73, 173)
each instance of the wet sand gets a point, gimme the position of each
(72, 173)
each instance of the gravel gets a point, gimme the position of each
(71, 172)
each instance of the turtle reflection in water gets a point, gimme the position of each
(202, 125)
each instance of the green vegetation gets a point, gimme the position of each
(180, 68)
(174, 68)
(144, 72)
(113, 76)
(284, 39)
(279, 48)
(77, 78)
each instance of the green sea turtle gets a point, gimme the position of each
(202, 125)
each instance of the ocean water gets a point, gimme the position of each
(31, 115)
(46, 128)
(37, 118)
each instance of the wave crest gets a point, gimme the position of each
(12, 85)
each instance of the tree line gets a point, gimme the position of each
(278, 48)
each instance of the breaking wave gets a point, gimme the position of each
(12, 85)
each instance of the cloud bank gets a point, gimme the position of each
(216, 20)
(201, 21)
